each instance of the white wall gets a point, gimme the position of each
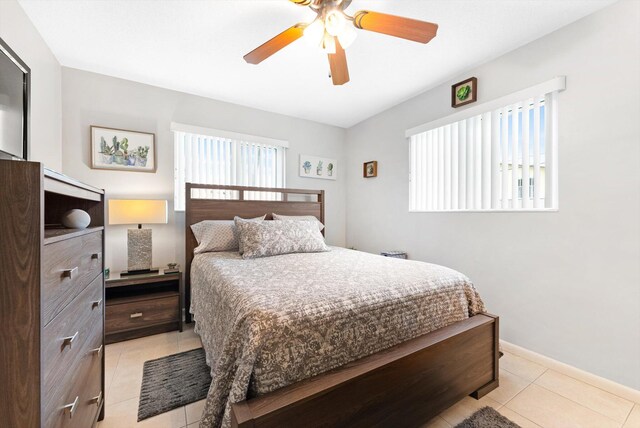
(19, 33)
(94, 99)
(565, 284)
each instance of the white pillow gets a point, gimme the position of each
(217, 235)
(299, 218)
(272, 238)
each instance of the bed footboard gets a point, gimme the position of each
(403, 386)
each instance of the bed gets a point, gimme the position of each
(341, 338)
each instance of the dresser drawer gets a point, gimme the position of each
(68, 266)
(75, 331)
(143, 313)
(76, 404)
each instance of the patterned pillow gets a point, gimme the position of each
(239, 220)
(310, 218)
(271, 238)
(217, 235)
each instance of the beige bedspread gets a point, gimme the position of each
(266, 323)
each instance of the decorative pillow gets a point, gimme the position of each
(239, 220)
(271, 238)
(299, 218)
(217, 235)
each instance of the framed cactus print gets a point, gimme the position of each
(122, 150)
(464, 92)
(370, 169)
(316, 167)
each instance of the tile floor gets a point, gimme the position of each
(529, 394)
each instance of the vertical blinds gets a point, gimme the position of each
(207, 159)
(481, 161)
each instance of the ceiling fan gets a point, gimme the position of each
(332, 29)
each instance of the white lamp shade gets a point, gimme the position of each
(137, 211)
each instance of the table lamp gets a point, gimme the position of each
(138, 211)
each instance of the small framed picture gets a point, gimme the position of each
(464, 92)
(122, 150)
(370, 169)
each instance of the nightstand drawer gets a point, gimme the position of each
(68, 267)
(142, 313)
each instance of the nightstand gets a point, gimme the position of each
(142, 305)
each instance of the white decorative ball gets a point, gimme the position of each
(76, 219)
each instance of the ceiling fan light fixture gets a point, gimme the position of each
(314, 32)
(347, 36)
(328, 44)
(334, 22)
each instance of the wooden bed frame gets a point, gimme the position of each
(403, 386)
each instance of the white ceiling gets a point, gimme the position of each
(197, 47)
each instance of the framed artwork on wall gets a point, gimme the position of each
(317, 167)
(370, 169)
(464, 92)
(122, 150)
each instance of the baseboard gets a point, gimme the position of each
(576, 373)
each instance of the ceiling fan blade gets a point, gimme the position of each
(397, 26)
(338, 65)
(272, 46)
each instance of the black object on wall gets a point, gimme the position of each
(15, 94)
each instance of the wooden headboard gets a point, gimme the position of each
(215, 202)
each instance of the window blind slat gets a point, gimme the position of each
(478, 163)
(432, 171)
(413, 196)
(441, 174)
(526, 200)
(422, 145)
(515, 162)
(495, 159)
(536, 154)
(486, 160)
(551, 150)
(462, 165)
(454, 166)
(470, 157)
(447, 167)
(504, 155)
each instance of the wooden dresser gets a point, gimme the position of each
(51, 300)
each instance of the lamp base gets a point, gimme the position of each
(139, 272)
(138, 249)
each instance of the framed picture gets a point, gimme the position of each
(370, 169)
(122, 150)
(316, 167)
(464, 92)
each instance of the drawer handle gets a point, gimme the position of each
(97, 351)
(136, 315)
(70, 273)
(97, 399)
(68, 341)
(96, 303)
(71, 408)
(96, 256)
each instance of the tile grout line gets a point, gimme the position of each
(186, 420)
(586, 383)
(572, 377)
(523, 417)
(575, 402)
(586, 407)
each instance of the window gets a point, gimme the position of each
(209, 156)
(477, 159)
